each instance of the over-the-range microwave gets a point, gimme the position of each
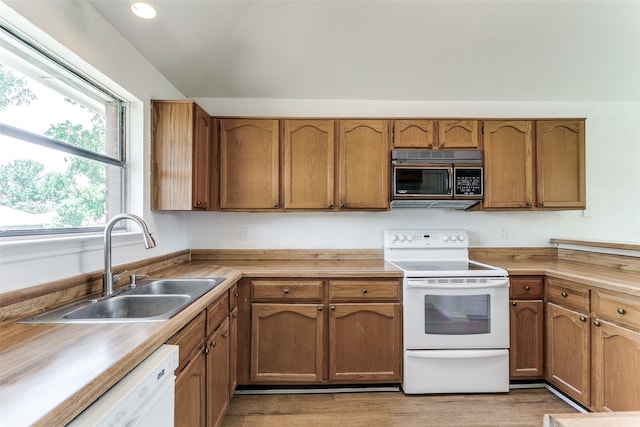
(436, 178)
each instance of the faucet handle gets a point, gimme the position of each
(117, 277)
(133, 279)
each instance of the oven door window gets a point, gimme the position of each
(457, 314)
(423, 181)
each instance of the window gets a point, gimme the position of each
(61, 144)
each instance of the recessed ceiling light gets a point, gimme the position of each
(143, 9)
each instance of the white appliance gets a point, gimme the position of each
(455, 314)
(144, 397)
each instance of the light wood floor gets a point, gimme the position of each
(521, 407)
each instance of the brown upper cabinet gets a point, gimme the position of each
(534, 164)
(414, 134)
(363, 164)
(560, 164)
(180, 156)
(249, 164)
(454, 134)
(309, 164)
(436, 134)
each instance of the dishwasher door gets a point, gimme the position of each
(143, 398)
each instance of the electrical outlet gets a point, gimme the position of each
(244, 234)
(503, 232)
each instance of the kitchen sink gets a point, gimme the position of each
(191, 287)
(150, 301)
(132, 307)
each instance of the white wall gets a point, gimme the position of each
(613, 177)
(78, 33)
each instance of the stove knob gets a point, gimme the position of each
(409, 238)
(461, 238)
(394, 238)
(401, 238)
(445, 238)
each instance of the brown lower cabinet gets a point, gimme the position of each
(593, 345)
(316, 331)
(203, 380)
(615, 352)
(526, 321)
(568, 352)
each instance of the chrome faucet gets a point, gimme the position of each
(108, 278)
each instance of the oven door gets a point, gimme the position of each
(452, 313)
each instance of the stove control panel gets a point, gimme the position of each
(415, 239)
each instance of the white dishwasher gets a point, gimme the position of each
(143, 398)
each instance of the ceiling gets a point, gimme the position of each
(475, 50)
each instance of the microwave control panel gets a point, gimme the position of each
(468, 181)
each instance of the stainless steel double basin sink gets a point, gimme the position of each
(151, 300)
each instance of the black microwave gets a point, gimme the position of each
(437, 181)
(418, 177)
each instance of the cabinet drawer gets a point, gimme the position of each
(568, 294)
(283, 290)
(188, 339)
(216, 312)
(620, 309)
(527, 288)
(388, 290)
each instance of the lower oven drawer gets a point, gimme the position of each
(456, 371)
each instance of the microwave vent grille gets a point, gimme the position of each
(437, 156)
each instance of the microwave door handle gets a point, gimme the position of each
(450, 188)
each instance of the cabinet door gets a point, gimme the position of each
(508, 164)
(365, 342)
(249, 164)
(414, 134)
(568, 352)
(454, 134)
(180, 156)
(287, 342)
(201, 158)
(309, 164)
(560, 164)
(364, 164)
(616, 368)
(233, 351)
(526, 356)
(190, 394)
(218, 374)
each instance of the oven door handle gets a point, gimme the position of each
(456, 354)
(427, 285)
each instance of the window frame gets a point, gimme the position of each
(83, 83)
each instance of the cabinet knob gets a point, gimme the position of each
(213, 344)
(364, 291)
(332, 307)
(596, 323)
(275, 205)
(320, 308)
(583, 319)
(342, 205)
(513, 303)
(622, 311)
(286, 291)
(198, 203)
(527, 287)
(564, 294)
(330, 205)
(206, 350)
